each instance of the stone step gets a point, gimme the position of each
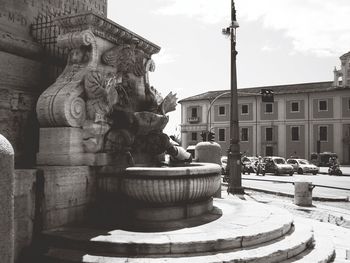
(322, 252)
(273, 251)
(241, 225)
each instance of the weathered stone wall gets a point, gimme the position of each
(47, 198)
(69, 191)
(19, 89)
(16, 16)
(24, 204)
(23, 74)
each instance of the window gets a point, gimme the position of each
(322, 105)
(221, 135)
(244, 135)
(295, 133)
(268, 134)
(194, 112)
(295, 106)
(194, 136)
(244, 109)
(268, 108)
(323, 133)
(222, 110)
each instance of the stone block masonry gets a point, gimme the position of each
(19, 86)
(16, 16)
(68, 192)
(23, 71)
(45, 198)
(26, 187)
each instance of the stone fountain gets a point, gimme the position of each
(103, 112)
(102, 126)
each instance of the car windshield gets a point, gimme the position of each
(279, 161)
(304, 162)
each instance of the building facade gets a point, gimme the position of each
(304, 118)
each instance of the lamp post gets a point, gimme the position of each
(209, 109)
(234, 156)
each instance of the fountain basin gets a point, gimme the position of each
(172, 185)
(171, 193)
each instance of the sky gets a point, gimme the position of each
(278, 42)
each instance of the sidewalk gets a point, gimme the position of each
(319, 211)
(287, 189)
(332, 207)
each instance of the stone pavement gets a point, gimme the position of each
(326, 208)
(321, 215)
(331, 220)
(247, 231)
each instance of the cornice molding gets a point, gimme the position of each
(105, 29)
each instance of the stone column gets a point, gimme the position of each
(6, 201)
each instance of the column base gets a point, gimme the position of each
(235, 190)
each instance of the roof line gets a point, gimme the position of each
(278, 89)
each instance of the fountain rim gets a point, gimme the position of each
(168, 171)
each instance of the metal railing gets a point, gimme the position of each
(45, 32)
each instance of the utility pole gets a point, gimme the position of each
(234, 155)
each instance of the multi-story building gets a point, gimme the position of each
(302, 119)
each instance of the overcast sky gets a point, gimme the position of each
(278, 42)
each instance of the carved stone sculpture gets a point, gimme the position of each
(104, 90)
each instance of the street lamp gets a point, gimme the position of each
(234, 156)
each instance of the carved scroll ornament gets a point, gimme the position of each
(62, 103)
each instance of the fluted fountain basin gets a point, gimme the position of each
(168, 193)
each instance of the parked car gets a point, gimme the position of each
(248, 162)
(302, 166)
(277, 165)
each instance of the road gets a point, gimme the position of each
(288, 188)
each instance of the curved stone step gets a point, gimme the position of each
(284, 248)
(322, 251)
(241, 225)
